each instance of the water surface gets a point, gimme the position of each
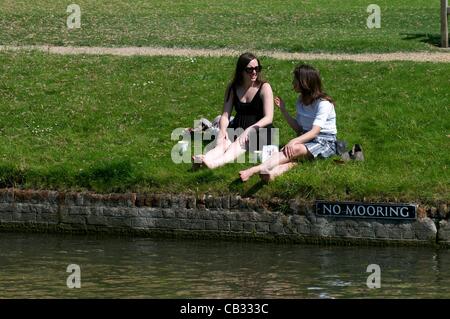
(34, 266)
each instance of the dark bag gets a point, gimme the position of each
(341, 147)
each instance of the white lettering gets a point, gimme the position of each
(351, 211)
(380, 211)
(74, 279)
(374, 280)
(177, 156)
(393, 210)
(368, 210)
(338, 211)
(74, 19)
(404, 214)
(374, 20)
(191, 309)
(363, 210)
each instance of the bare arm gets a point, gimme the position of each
(225, 118)
(308, 136)
(288, 149)
(291, 121)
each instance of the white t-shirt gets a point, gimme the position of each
(320, 113)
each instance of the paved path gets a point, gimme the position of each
(443, 56)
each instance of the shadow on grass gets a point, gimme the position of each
(207, 176)
(11, 176)
(432, 39)
(107, 175)
(255, 188)
(237, 186)
(104, 176)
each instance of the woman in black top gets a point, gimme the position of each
(253, 101)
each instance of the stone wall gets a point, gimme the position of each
(208, 217)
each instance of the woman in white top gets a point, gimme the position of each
(315, 125)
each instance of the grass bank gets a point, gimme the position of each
(294, 26)
(103, 123)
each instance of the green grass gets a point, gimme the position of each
(103, 123)
(295, 26)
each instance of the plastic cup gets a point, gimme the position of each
(182, 147)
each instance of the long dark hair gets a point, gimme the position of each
(310, 84)
(242, 62)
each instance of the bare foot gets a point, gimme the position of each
(246, 174)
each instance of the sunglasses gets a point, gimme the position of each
(256, 68)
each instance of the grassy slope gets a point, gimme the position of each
(319, 25)
(104, 123)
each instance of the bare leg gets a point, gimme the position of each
(275, 160)
(216, 152)
(232, 152)
(276, 171)
(247, 173)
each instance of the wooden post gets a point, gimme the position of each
(444, 23)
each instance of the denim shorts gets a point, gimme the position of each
(324, 145)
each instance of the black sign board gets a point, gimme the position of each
(366, 210)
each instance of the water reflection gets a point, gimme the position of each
(34, 265)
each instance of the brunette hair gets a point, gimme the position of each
(310, 84)
(242, 62)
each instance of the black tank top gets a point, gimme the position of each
(247, 113)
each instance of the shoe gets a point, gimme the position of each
(357, 153)
(346, 156)
(341, 147)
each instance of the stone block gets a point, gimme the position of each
(425, 229)
(249, 226)
(7, 207)
(97, 220)
(223, 225)
(6, 217)
(141, 222)
(79, 210)
(181, 213)
(236, 226)
(211, 225)
(167, 223)
(276, 228)
(234, 202)
(190, 202)
(6, 195)
(73, 219)
(24, 217)
(168, 213)
(226, 202)
(47, 218)
(262, 227)
(381, 231)
(304, 228)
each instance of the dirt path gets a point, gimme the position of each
(443, 56)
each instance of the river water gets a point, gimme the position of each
(35, 266)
